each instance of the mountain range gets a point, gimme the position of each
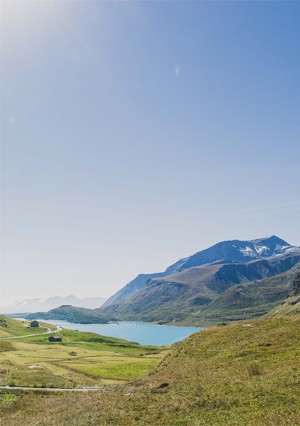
(38, 304)
(225, 251)
(212, 293)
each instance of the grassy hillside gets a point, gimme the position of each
(240, 374)
(291, 306)
(81, 359)
(11, 327)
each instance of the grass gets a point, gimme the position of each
(119, 369)
(6, 346)
(36, 376)
(244, 373)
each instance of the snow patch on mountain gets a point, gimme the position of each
(262, 250)
(247, 251)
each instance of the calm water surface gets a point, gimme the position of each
(143, 333)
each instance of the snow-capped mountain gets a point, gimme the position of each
(234, 250)
(225, 251)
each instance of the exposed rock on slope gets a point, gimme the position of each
(290, 306)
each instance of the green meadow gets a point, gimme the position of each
(81, 359)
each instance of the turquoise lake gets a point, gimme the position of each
(143, 333)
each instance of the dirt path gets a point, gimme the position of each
(49, 331)
(24, 388)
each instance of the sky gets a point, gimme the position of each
(137, 133)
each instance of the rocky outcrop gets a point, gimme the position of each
(296, 286)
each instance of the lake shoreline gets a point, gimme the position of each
(143, 333)
(19, 316)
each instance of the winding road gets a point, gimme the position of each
(49, 331)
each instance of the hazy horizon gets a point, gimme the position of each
(5, 302)
(137, 133)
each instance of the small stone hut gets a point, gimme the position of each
(55, 339)
(34, 324)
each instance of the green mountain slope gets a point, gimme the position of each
(71, 314)
(250, 300)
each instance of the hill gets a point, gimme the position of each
(240, 374)
(291, 305)
(233, 251)
(211, 293)
(71, 314)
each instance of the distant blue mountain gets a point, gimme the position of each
(34, 305)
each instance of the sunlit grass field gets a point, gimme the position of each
(81, 359)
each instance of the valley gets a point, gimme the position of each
(242, 373)
(242, 369)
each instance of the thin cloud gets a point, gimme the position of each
(267, 208)
(263, 210)
(177, 71)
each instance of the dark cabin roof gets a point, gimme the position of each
(55, 339)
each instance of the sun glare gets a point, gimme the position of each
(25, 17)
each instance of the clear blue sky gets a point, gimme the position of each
(134, 134)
